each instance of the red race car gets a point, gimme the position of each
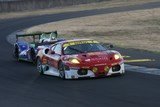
(72, 59)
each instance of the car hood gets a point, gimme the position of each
(94, 58)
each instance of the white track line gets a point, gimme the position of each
(141, 69)
(11, 39)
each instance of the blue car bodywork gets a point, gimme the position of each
(24, 50)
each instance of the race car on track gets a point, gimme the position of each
(72, 59)
(27, 45)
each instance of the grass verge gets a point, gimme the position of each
(138, 29)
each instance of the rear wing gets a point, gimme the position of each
(35, 35)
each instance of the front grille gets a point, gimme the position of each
(116, 68)
(101, 74)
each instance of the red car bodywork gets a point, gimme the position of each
(97, 62)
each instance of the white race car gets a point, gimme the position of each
(72, 59)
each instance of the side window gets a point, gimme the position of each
(53, 47)
(58, 49)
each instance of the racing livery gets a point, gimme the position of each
(27, 45)
(72, 59)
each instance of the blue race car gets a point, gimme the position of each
(27, 45)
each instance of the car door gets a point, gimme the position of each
(55, 57)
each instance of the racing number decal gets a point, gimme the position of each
(44, 60)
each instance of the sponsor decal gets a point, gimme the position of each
(101, 64)
(78, 42)
(44, 60)
(24, 52)
(95, 53)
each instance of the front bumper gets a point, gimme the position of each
(73, 73)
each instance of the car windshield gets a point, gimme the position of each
(47, 36)
(83, 48)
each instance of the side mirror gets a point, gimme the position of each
(108, 46)
(111, 46)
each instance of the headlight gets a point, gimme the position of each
(74, 61)
(117, 56)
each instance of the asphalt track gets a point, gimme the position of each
(22, 86)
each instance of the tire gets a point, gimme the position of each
(39, 66)
(33, 55)
(61, 70)
(16, 52)
(122, 74)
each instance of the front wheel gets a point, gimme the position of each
(16, 52)
(33, 55)
(61, 70)
(39, 66)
